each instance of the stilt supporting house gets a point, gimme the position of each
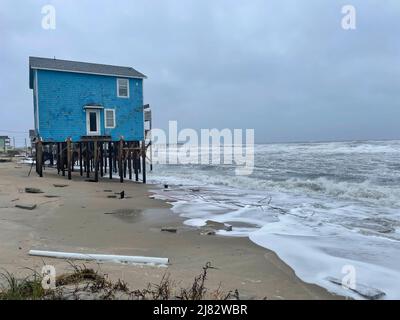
(96, 158)
(92, 116)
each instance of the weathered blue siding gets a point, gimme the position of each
(62, 97)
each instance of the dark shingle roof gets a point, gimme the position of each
(82, 67)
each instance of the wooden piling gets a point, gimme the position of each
(106, 149)
(69, 157)
(80, 159)
(110, 158)
(63, 158)
(58, 158)
(87, 161)
(114, 156)
(144, 161)
(101, 160)
(96, 161)
(120, 155)
(39, 157)
(130, 160)
(124, 160)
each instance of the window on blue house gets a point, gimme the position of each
(123, 88)
(109, 118)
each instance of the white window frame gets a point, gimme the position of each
(105, 118)
(127, 80)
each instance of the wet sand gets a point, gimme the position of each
(81, 217)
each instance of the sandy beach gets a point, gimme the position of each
(82, 217)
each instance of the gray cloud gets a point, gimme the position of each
(284, 68)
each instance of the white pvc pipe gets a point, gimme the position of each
(100, 257)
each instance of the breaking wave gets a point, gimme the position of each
(319, 206)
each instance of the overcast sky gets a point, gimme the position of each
(283, 67)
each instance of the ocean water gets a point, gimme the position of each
(326, 209)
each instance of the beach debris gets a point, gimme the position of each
(26, 206)
(211, 227)
(50, 196)
(363, 290)
(107, 190)
(195, 189)
(169, 229)
(101, 257)
(208, 232)
(33, 190)
(211, 224)
(60, 185)
(126, 213)
(112, 196)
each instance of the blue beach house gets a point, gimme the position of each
(92, 104)
(77, 100)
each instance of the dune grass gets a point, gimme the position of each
(87, 283)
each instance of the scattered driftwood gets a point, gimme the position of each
(169, 229)
(111, 196)
(107, 190)
(60, 185)
(100, 257)
(26, 206)
(363, 290)
(50, 196)
(33, 190)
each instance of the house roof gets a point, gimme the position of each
(80, 67)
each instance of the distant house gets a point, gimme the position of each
(93, 107)
(4, 143)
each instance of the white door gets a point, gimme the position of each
(93, 122)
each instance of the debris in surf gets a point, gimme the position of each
(363, 290)
(208, 232)
(218, 225)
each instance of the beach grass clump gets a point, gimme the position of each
(86, 283)
(29, 288)
(79, 275)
